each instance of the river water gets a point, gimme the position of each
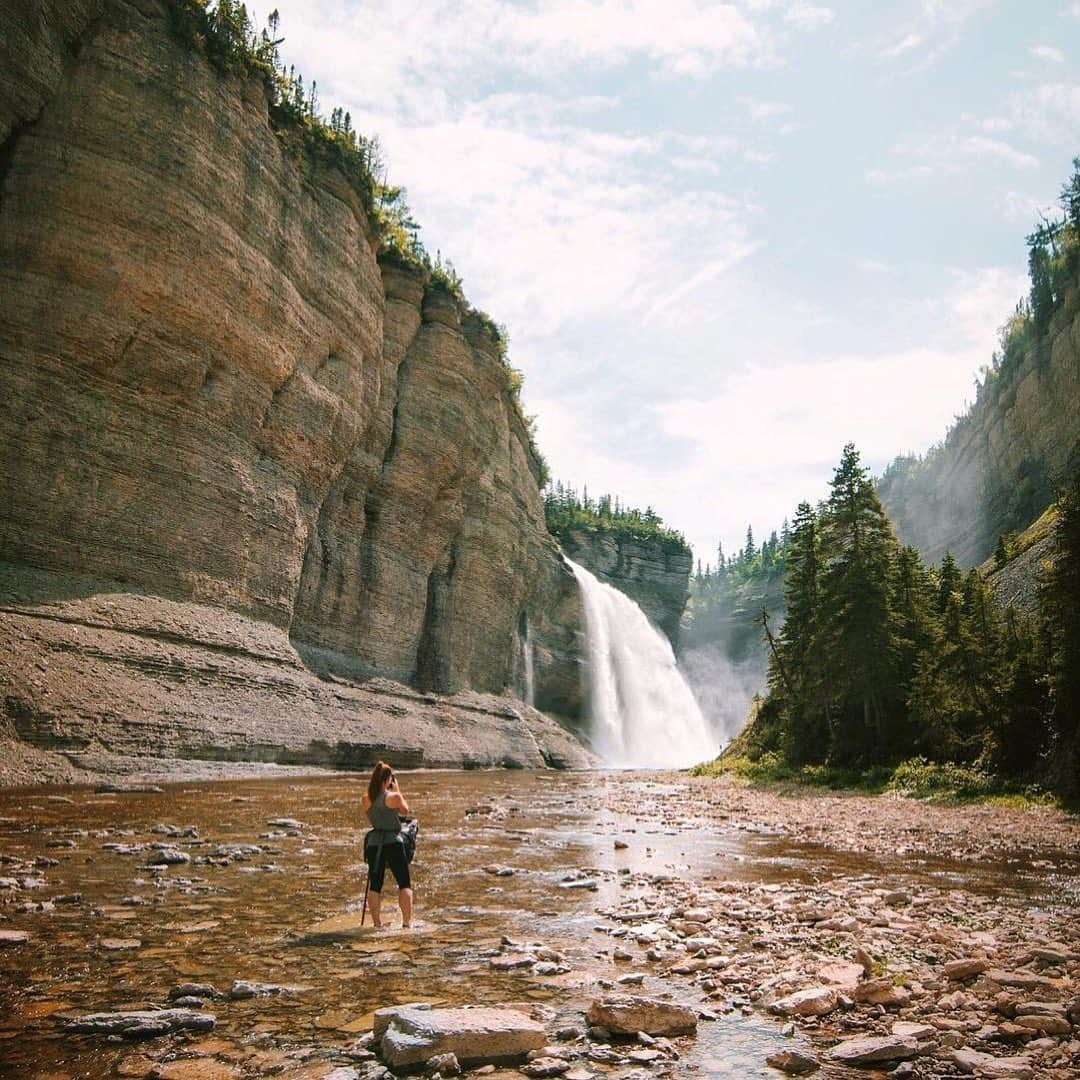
(289, 912)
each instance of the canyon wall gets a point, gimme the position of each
(1001, 466)
(221, 411)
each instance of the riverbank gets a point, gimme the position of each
(790, 924)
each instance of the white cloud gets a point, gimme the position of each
(905, 44)
(1048, 52)
(949, 154)
(765, 110)
(1050, 111)
(797, 416)
(807, 16)
(873, 266)
(1072, 11)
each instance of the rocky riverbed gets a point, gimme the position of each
(571, 925)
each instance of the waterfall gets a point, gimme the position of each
(530, 677)
(643, 712)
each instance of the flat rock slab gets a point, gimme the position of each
(141, 1024)
(1000, 1068)
(477, 1036)
(625, 1015)
(817, 1001)
(13, 937)
(870, 1049)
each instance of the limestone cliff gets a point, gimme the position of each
(220, 408)
(650, 572)
(1001, 465)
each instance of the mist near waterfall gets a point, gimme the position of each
(723, 687)
(642, 711)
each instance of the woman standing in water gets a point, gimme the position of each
(385, 804)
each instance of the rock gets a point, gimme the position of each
(243, 988)
(141, 1024)
(286, 823)
(870, 1049)
(907, 1029)
(1047, 1024)
(498, 871)
(444, 1065)
(621, 845)
(793, 1062)
(973, 1062)
(169, 857)
(120, 944)
(817, 1001)
(197, 990)
(129, 789)
(13, 937)
(880, 992)
(382, 1018)
(476, 1036)
(626, 1015)
(512, 961)
(965, 969)
(545, 1066)
(1024, 980)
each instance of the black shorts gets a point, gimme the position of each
(392, 855)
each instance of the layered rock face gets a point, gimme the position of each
(1003, 466)
(655, 578)
(215, 397)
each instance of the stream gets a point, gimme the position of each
(286, 910)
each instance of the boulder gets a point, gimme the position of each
(817, 1001)
(141, 1024)
(545, 1067)
(13, 937)
(870, 1049)
(793, 1062)
(626, 1015)
(478, 1036)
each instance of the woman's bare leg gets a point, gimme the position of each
(375, 903)
(404, 897)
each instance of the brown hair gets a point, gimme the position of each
(379, 775)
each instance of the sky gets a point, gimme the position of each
(726, 239)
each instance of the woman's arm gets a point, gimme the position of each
(396, 801)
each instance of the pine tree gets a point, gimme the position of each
(1060, 607)
(857, 654)
(950, 581)
(793, 670)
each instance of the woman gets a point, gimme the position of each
(385, 804)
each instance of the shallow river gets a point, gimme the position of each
(289, 913)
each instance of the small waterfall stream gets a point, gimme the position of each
(643, 712)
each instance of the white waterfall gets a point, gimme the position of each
(530, 677)
(643, 712)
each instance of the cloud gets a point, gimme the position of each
(904, 44)
(765, 110)
(1050, 111)
(1071, 12)
(949, 154)
(807, 16)
(1047, 52)
(772, 437)
(934, 29)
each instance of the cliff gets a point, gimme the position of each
(653, 574)
(220, 412)
(1001, 465)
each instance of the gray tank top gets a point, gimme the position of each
(384, 819)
